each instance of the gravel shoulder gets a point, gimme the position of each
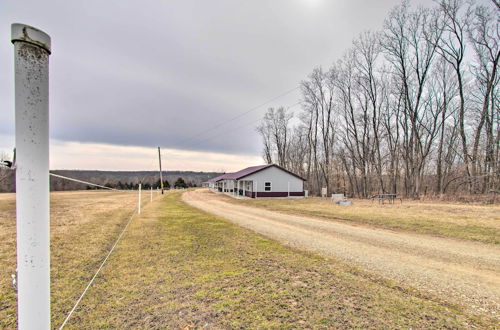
(455, 271)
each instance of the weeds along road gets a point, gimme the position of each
(456, 271)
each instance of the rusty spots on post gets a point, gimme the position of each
(27, 50)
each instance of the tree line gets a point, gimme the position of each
(61, 184)
(412, 109)
(179, 183)
(112, 179)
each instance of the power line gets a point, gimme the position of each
(234, 129)
(239, 116)
(234, 118)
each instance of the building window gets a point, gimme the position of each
(267, 186)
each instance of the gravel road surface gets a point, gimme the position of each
(456, 271)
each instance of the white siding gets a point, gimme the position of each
(279, 180)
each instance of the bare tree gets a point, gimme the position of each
(275, 131)
(404, 110)
(318, 94)
(452, 48)
(483, 33)
(265, 130)
(410, 41)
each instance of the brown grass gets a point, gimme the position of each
(463, 221)
(178, 267)
(83, 227)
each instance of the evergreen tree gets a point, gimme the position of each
(166, 185)
(180, 183)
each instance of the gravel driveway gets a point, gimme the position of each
(456, 271)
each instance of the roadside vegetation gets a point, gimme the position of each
(463, 221)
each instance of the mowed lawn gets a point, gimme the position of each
(457, 220)
(179, 267)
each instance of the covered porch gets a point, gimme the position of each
(242, 189)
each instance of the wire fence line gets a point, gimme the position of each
(85, 182)
(135, 212)
(96, 273)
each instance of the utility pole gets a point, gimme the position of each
(161, 176)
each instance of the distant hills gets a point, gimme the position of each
(116, 179)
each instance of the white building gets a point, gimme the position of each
(214, 183)
(260, 181)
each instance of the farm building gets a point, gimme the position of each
(213, 182)
(259, 181)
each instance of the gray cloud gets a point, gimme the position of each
(153, 73)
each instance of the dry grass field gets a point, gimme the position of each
(457, 220)
(84, 224)
(179, 267)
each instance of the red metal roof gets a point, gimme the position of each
(247, 171)
(217, 178)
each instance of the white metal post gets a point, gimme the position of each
(31, 57)
(288, 189)
(256, 187)
(151, 194)
(139, 202)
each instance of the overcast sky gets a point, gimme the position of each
(128, 76)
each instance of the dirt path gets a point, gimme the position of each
(459, 272)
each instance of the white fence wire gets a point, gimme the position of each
(138, 210)
(85, 182)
